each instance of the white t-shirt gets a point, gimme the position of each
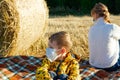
(103, 44)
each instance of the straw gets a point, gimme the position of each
(22, 23)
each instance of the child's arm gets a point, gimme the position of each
(42, 71)
(74, 71)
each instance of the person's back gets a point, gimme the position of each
(104, 46)
(103, 39)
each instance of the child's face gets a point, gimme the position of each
(55, 53)
(54, 45)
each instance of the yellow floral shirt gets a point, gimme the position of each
(69, 66)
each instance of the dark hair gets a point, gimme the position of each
(101, 10)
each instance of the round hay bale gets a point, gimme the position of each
(9, 26)
(22, 23)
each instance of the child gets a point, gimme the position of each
(58, 64)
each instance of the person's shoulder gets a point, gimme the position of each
(45, 60)
(115, 26)
(74, 61)
(112, 24)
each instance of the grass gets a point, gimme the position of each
(78, 28)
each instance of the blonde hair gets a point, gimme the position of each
(63, 39)
(102, 11)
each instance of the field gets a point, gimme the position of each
(78, 27)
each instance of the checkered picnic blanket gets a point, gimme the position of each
(87, 72)
(24, 68)
(18, 67)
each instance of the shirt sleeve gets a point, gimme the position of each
(74, 72)
(42, 71)
(116, 32)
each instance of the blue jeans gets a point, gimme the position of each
(117, 65)
(55, 77)
(114, 67)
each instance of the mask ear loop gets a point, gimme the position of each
(63, 52)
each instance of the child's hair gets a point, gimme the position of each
(101, 10)
(63, 39)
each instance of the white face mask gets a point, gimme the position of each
(51, 54)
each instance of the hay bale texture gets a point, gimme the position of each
(22, 23)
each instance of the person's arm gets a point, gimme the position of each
(42, 71)
(116, 32)
(74, 71)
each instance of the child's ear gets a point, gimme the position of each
(63, 50)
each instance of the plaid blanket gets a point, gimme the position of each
(87, 72)
(24, 68)
(18, 67)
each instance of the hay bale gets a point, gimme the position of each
(9, 26)
(22, 23)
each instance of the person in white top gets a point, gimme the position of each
(103, 40)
